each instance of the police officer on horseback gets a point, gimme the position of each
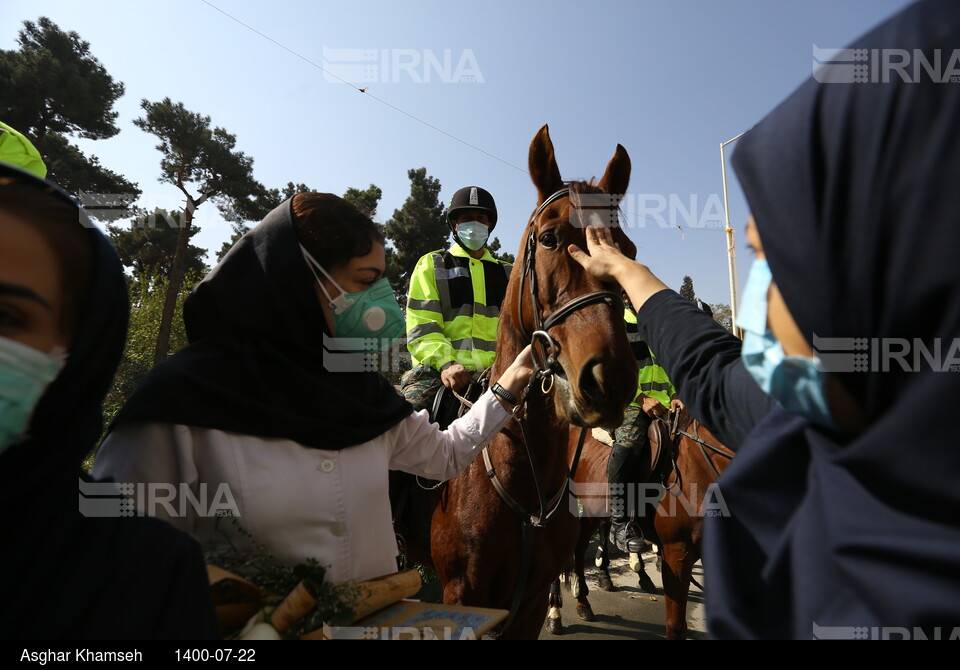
(656, 395)
(625, 467)
(453, 305)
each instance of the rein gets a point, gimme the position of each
(545, 356)
(703, 445)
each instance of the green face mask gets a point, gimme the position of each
(25, 374)
(372, 317)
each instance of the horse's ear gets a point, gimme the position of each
(617, 177)
(543, 165)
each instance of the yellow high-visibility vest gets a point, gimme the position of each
(453, 308)
(652, 379)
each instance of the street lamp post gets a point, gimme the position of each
(731, 249)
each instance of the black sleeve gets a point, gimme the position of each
(703, 362)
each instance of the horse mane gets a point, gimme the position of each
(581, 186)
(591, 186)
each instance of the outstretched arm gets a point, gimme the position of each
(700, 357)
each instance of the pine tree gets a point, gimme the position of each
(148, 244)
(195, 154)
(54, 89)
(417, 228)
(686, 289)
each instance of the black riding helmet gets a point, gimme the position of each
(473, 197)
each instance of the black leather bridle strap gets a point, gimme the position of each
(608, 297)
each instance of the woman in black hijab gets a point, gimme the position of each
(264, 412)
(842, 504)
(63, 318)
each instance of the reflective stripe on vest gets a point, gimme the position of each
(652, 380)
(454, 308)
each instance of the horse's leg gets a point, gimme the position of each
(555, 602)
(603, 557)
(678, 560)
(530, 616)
(584, 611)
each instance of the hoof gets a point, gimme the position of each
(636, 563)
(606, 584)
(646, 584)
(555, 626)
(585, 612)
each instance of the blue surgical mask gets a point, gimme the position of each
(473, 234)
(372, 317)
(798, 383)
(25, 374)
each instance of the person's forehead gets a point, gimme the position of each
(375, 260)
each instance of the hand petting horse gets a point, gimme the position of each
(502, 530)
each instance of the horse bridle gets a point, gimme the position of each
(547, 363)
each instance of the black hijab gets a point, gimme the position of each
(64, 575)
(854, 191)
(255, 363)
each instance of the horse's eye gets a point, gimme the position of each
(549, 240)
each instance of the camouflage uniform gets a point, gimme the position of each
(419, 386)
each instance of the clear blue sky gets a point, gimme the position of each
(668, 79)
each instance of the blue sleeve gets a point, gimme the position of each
(703, 362)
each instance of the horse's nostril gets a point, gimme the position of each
(597, 371)
(592, 381)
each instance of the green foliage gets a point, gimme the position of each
(494, 248)
(417, 228)
(146, 305)
(148, 245)
(686, 289)
(722, 315)
(57, 85)
(254, 208)
(336, 603)
(195, 154)
(53, 87)
(366, 200)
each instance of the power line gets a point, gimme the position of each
(363, 90)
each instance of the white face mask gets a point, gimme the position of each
(473, 234)
(25, 374)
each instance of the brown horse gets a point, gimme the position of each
(500, 531)
(679, 490)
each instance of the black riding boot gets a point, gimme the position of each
(624, 532)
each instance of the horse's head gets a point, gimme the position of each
(574, 320)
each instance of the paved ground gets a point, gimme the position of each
(629, 613)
